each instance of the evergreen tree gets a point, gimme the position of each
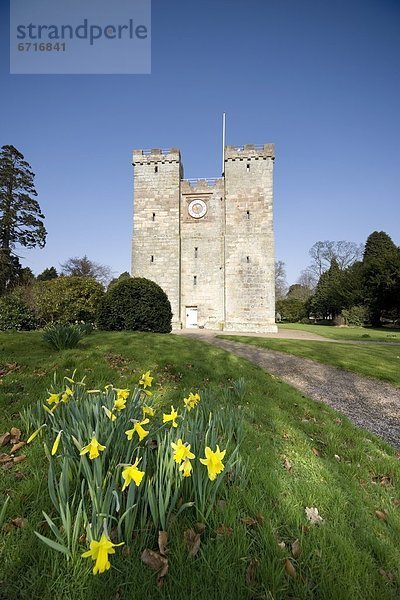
(329, 298)
(48, 274)
(381, 276)
(21, 221)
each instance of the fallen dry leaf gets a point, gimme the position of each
(381, 515)
(18, 522)
(223, 530)
(192, 541)
(5, 458)
(20, 458)
(312, 515)
(5, 438)
(287, 464)
(7, 527)
(282, 545)
(15, 435)
(162, 542)
(18, 476)
(17, 447)
(251, 572)
(7, 465)
(296, 549)
(337, 457)
(200, 527)
(158, 563)
(248, 521)
(289, 568)
(315, 451)
(387, 575)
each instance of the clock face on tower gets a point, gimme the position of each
(197, 208)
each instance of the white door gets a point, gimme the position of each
(191, 316)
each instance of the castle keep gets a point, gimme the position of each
(208, 243)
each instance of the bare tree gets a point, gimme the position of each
(83, 267)
(280, 280)
(322, 253)
(308, 279)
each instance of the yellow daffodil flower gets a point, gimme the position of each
(56, 443)
(99, 552)
(139, 430)
(109, 413)
(147, 410)
(35, 433)
(181, 451)
(171, 417)
(146, 380)
(53, 399)
(132, 473)
(186, 467)
(213, 462)
(191, 400)
(66, 395)
(94, 449)
(119, 404)
(122, 394)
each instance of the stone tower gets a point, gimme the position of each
(209, 242)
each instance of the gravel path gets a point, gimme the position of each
(369, 403)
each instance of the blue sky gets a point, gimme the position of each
(320, 79)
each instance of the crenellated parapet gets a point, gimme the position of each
(249, 151)
(156, 155)
(198, 186)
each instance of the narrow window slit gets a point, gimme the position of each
(248, 167)
(195, 252)
(156, 169)
(154, 217)
(247, 214)
(152, 258)
(195, 280)
(248, 259)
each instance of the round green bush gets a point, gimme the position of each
(16, 314)
(67, 299)
(135, 304)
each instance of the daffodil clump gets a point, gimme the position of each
(116, 461)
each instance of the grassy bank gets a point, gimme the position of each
(366, 334)
(378, 361)
(299, 454)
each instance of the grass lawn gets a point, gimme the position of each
(299, 454)
(367, 334)
(379, 361)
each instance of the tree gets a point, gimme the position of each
(280, 280)
(299, 292)
(124, 275)
(67, 299)
(21, 220)
(291, 309)
(48, 274)
(308, 279)
(344, 253)
(381, 276)
(329, 298)
(83, 267)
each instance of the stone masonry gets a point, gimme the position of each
(208, 243)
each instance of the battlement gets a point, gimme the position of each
(156, 155)
(249, 151)
(188, 186)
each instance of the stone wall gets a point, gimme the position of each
(202, 253)
(156, 222)
(249, 239)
